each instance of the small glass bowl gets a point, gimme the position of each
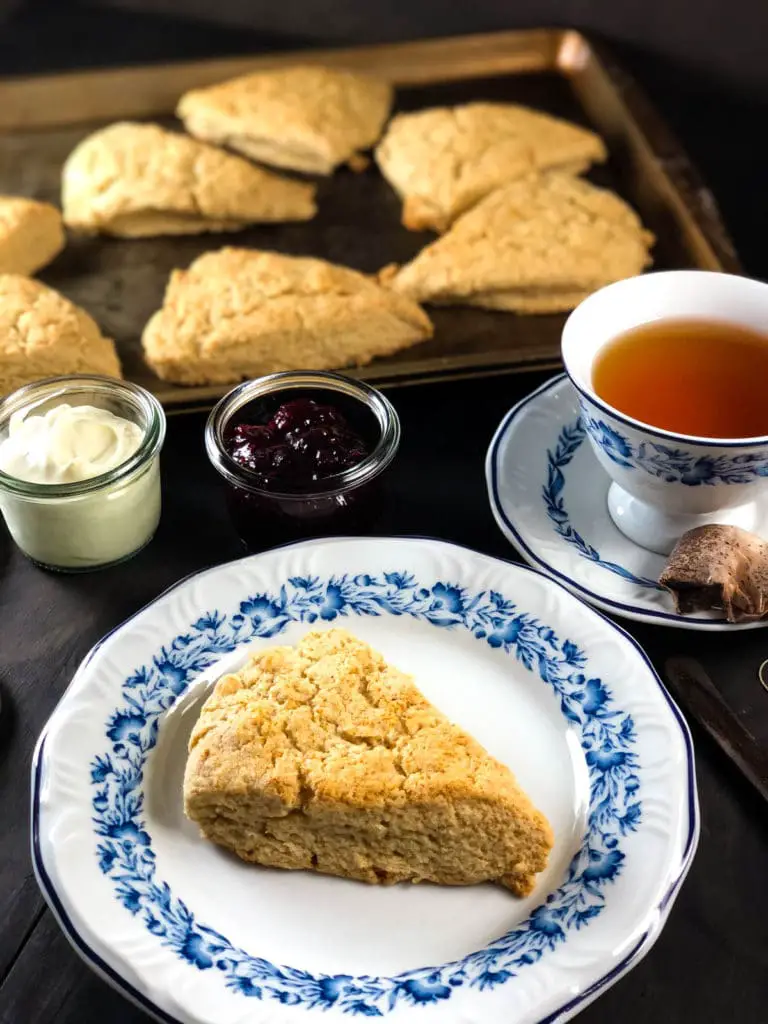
(90, 524)
(345, 503)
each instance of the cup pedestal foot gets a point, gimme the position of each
(659, 531)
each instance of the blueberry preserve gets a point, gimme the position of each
(303, 443)
(302, 455)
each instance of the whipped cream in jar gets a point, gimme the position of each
(79, 470)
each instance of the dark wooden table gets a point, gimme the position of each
(710, 965)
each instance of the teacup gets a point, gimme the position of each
(663, 483)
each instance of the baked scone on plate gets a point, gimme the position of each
(239, 313)
(324, 757)
(42, 334)
(443, 160)
(538, 245)
(136, 180)
(307, 118)
(31, 234)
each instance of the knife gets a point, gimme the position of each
(695, 691)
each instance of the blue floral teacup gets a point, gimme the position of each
(664, 484)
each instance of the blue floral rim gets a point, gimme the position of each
(673, 465)
(540, 564)
(421, 991)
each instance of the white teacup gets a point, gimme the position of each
(665, 483)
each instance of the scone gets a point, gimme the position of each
(239, 313)
(309, 118)
(443, 160)
(42, 334)
(324, 757)
(538, 245)
(136, 180)
(31, 234)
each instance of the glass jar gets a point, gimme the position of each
(346, 503)
(92, 523)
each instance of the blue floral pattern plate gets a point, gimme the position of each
(550, 687)
(548, 494)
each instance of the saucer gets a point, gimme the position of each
(549, 495)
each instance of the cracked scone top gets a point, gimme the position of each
(240, 313)
(307, 118)
(31, 234)
(324, 757)
(538, 245)
(443, 160)
(42, 334)
(137, 180)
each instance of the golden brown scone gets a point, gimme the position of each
(31, 234)
(238, 313)
(443, 160)
(324, 757)
(136, 180)
(307, 118)
(42, 334)
(538, 245)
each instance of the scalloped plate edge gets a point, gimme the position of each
(656, 916)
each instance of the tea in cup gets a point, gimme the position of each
(671, 372)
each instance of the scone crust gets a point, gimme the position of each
(237, 313)
(42, 334)
(308, 118)
(445, 159)
(334, 757)
(540, 244)
(139, 179)
(31, 234)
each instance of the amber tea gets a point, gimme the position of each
(688, 376)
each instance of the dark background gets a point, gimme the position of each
(704, 65)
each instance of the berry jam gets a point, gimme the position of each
(289, 460)
(304, 443)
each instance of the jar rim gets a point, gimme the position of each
(40, 391)
(368, 468)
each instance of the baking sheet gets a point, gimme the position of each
(121, 282)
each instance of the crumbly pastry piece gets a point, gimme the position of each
(443, 160)
(137, 180)
(324, 757)
(42, 334)
(307, 118)
(538, 245)
(31, 234)
(239, 313)
(719, 567)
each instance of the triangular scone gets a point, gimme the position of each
(42, 334)
(137, 180)
(31, 234)
(238, 313)
(324, 757)
(538, 245)
(443, 160)
(308, 119)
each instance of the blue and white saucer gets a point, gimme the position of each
(549, 496)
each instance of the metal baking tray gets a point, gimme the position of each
(121, 283)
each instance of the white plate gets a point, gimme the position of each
(548, 494)
(549, 686)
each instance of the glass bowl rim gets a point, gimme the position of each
(338, 483)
